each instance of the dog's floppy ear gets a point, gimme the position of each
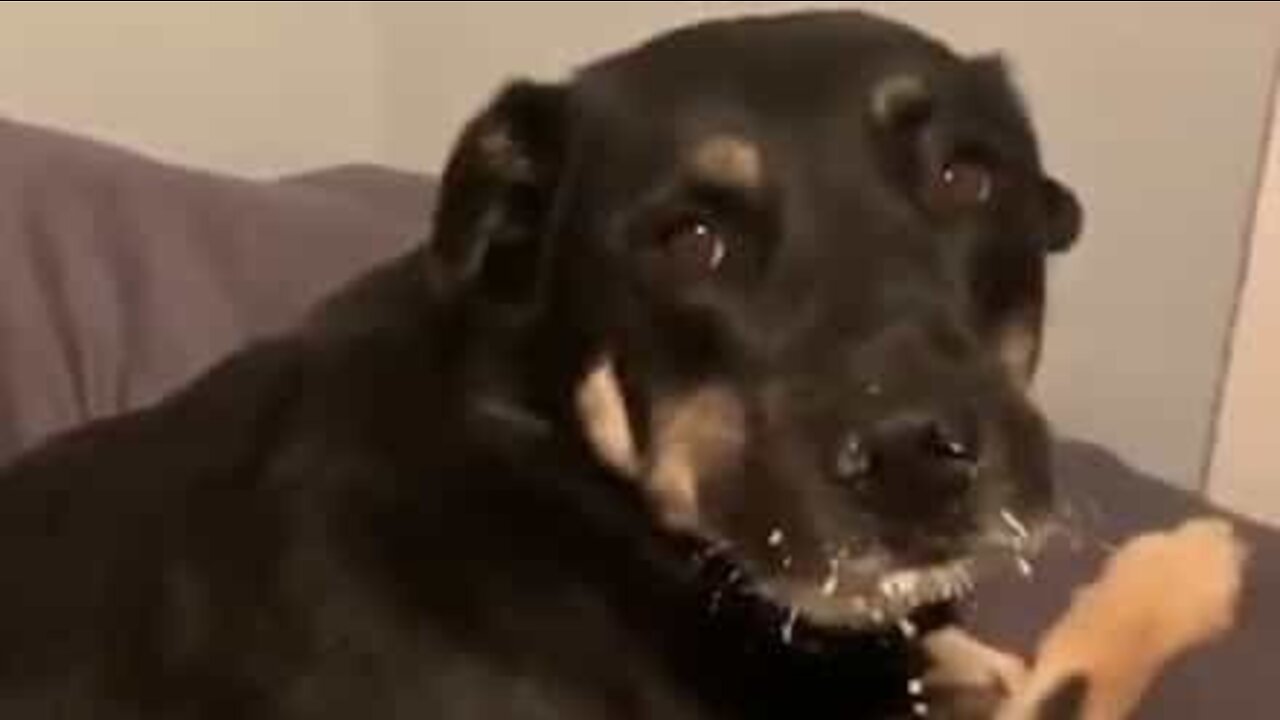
(496, 194)
(1063, 216)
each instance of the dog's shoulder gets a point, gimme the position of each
(217, 420)
(147, 542)
(230, 426)
(93, 520)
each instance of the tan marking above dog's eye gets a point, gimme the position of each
(901, 101)
(729, 161)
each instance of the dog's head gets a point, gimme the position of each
(791, 271)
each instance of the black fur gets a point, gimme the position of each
(393, 511)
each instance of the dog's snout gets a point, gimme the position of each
(948, 439)
(912, 451)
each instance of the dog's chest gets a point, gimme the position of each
(574, 655)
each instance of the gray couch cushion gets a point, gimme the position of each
(121, 277)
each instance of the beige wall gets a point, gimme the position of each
(1246, 465)
(1153, 111)
(442, 59)
(254, 87)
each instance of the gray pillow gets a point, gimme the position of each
(122, 277)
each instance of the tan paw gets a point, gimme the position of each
(1160, 595)
(961, 660)
(1181, 588)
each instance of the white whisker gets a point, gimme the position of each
(789, 626)
(831, 585)
(1019, 530)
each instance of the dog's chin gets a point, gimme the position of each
(880, 591)
(889, 599)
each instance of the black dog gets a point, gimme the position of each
(706, 394)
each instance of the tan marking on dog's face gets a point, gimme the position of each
(899, 99)
(730, 161)
(603, 414)
(694, 435)
(1019, 351)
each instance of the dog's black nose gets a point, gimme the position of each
(935, 449)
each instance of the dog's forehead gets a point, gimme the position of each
(824, 45)
(722, 97)
(772, 64)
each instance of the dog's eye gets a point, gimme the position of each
(695, 245)
(962, 183)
